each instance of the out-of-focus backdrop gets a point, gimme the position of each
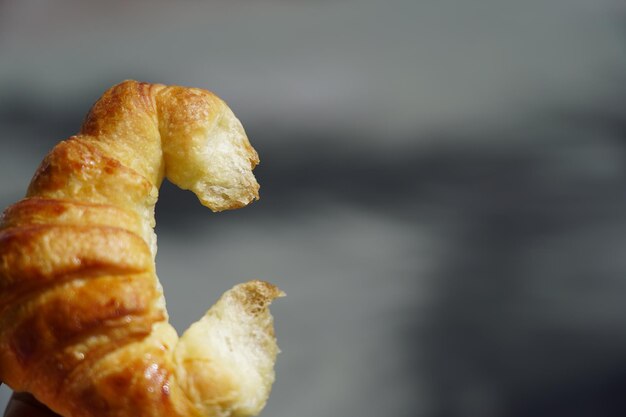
(443, 186)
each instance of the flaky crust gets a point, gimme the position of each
(83, 324)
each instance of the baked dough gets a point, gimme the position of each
(83, 324)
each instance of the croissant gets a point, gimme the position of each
(83, 324)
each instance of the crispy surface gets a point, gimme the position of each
(83, 325)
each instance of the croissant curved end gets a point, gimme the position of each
(83, 324)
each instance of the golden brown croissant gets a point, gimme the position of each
(83, 324)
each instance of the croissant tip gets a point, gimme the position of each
(262, 288)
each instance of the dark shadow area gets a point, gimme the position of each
(530, 318)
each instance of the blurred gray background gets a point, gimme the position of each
(443, 186)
